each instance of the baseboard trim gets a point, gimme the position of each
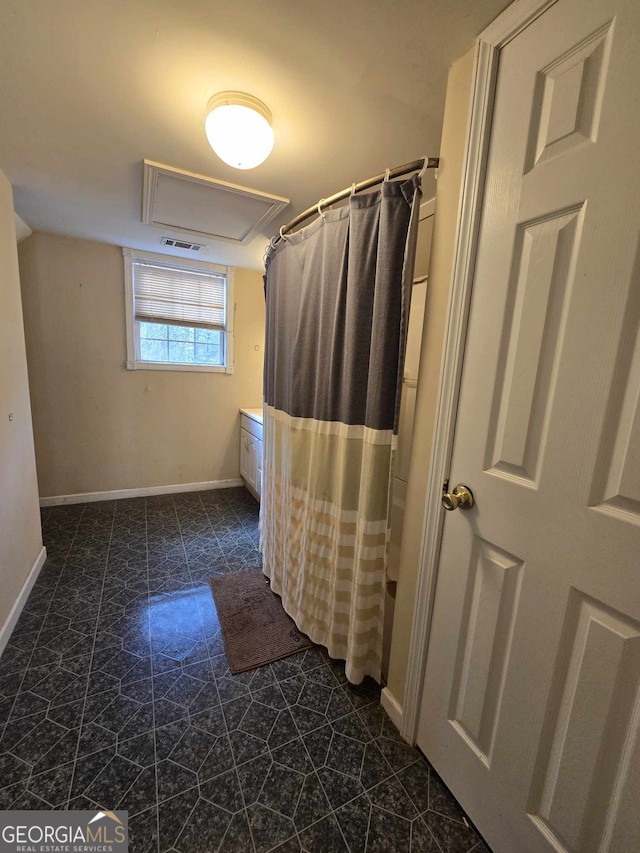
(147, 491)
(392, 707)
(21, 600)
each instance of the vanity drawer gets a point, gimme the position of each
(252, 427)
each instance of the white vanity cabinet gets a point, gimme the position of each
(251, 450)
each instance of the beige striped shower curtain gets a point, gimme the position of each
(337, 302)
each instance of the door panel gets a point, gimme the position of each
(616, 485)
(531, 706)
(244, 454)
(590, 713)
(491, 599)
(537, 299)
(566, 108)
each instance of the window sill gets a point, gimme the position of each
(190, 368)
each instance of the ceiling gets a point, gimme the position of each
(89, 89)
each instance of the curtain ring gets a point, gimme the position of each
(387, 175)
(353, 188)
(282, 237)
(320, 213)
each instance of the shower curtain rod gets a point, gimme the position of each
(414, 166)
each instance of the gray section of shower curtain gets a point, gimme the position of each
(339, 349)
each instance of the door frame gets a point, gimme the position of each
(506, 27)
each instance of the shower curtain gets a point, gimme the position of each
(337, 303)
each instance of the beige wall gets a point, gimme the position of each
(447, 202)
(20, 532)
(99, 427)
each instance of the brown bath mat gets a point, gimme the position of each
(255, 628)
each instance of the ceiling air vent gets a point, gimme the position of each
(182, 244)
(205, 207)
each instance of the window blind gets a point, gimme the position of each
(179, 296)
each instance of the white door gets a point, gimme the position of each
(531, 705)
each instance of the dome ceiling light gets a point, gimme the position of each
(238, 127)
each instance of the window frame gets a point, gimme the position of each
(134, 362)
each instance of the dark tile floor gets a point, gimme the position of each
(115, 692)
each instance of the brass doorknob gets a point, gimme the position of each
(461, 497)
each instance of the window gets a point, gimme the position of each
(179, 313)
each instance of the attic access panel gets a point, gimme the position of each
(173, 198)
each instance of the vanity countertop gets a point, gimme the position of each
(254, 414)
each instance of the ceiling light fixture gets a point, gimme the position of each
(238, 127)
